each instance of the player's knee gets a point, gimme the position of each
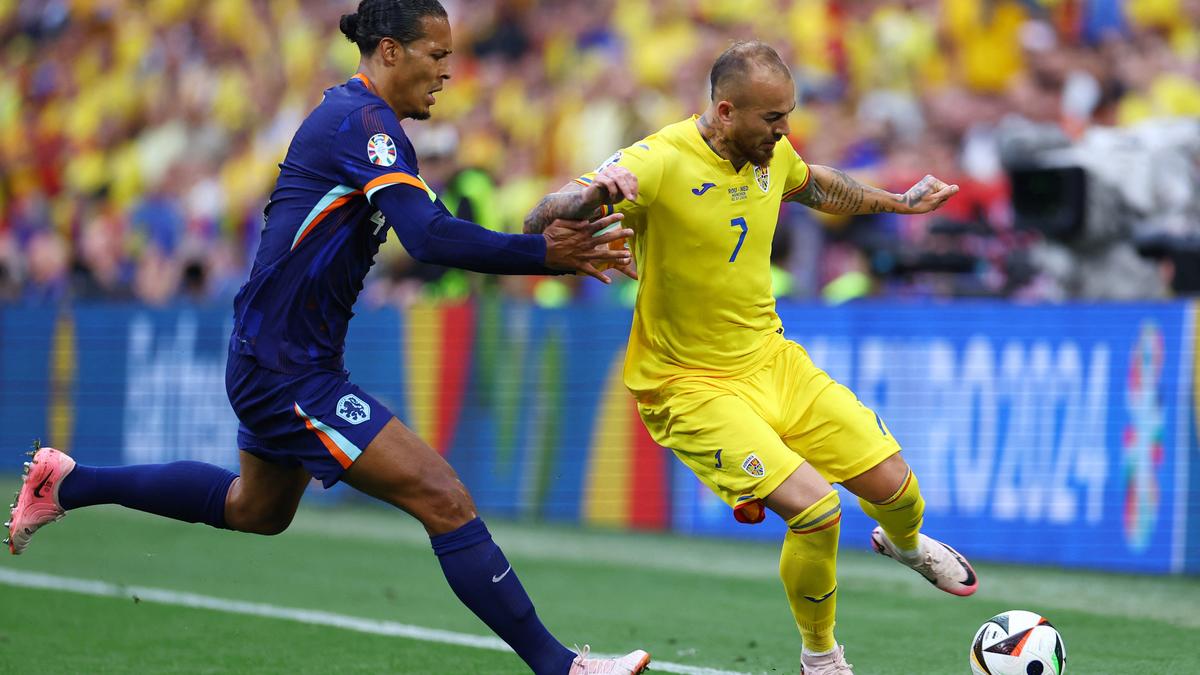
(443, 506)
(803, 488)
(256, 519)
(882, 481)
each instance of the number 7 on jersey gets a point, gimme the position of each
(738, 222)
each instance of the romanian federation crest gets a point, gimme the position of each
(353, 409)
(762, 176)
(754, 466)
(381, 150)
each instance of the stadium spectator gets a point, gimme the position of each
(147, 118)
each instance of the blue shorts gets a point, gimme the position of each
(319, 420)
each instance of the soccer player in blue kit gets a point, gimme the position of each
(349, 175)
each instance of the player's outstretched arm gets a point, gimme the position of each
(575, 202)
(432, 235)
(833, 191)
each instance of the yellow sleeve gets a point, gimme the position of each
(797, 177)
(644, 161)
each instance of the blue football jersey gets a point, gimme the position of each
(322, 232)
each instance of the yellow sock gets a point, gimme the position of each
(901, 514)
(808, 567)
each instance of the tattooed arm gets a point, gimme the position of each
(568, 203)
(833, 191)
(576, 202)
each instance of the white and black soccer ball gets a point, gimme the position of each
(1018, 643)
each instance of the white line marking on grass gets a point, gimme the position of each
(1159, 598)
(163, 596)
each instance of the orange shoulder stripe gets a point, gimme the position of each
(394, 179)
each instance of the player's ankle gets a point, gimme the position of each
(827, 652)
(909, 556)
(908, 548)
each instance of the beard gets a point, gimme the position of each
(754, 152)
(758, 156)
(421, 114)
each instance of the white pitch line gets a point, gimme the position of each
(315, 617)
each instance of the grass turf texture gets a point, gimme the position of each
(703, 603)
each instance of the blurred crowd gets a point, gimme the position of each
(139, 139)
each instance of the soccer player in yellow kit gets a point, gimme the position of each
(714, 378)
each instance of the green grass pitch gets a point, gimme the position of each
(691, 603)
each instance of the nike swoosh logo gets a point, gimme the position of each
(37, 491)
(703, 188)
(496, 579)
(821, 599)
(970, 580)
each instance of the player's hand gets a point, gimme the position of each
(574, 245)
(613, 184)
(628, 269)
(927, 195)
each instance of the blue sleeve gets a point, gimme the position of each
(432, 235)
(370, 151)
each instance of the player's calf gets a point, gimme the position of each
(256, 519)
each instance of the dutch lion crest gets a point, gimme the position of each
(353, 409)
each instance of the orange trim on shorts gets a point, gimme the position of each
(327, 442)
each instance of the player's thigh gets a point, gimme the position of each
(830, 427)
(265, 495)
(401, 469)
(319, 420)
(723, 440)
(805, 487)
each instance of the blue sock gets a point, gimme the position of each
(484, 581)
(189, 491)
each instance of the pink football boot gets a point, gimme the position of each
(37, 501)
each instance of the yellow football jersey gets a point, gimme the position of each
(702, 244)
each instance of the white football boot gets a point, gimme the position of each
(833, 663)
(631, 664)
(937, 562)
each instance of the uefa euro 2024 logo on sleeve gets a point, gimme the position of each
(381, 150)
(1142, 441)
(353, 409)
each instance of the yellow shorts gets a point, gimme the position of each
(743, 437)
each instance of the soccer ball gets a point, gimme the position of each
(1018, 643)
